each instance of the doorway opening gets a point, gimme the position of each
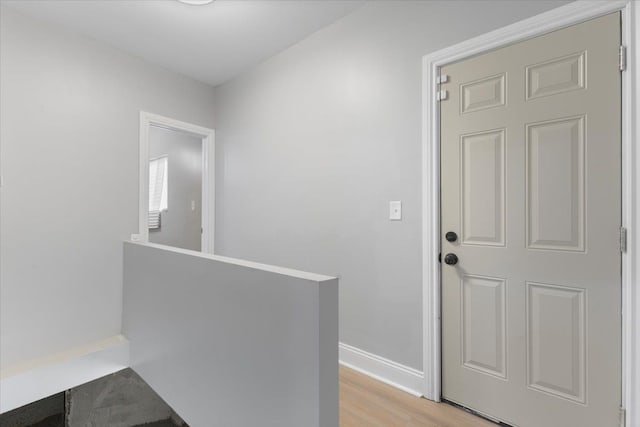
(177, 187)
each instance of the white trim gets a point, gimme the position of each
(631, 216)
(570, 14)
(35, 380)
(387, 371)
(208, 175)
(430, 234)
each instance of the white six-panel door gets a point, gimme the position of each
(531, 185)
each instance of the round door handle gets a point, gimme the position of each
(451, 236)
(451, 259)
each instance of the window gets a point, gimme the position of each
(158, 189)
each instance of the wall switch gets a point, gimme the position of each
(193, 205)
(395, 210)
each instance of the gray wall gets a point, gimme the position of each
(232, 343)
(180, 225)
(69, 118)
(314, 143)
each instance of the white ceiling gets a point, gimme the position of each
(211, 43)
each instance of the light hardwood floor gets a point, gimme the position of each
(365, 402)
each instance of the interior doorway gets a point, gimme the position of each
(177, 187)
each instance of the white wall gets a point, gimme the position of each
(232, 343)
(69, 160)
(315, 142)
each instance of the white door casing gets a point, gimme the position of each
(570, 14)
(208, 175)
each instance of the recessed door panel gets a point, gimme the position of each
(555, 184)
(484, 325)
(556, 76)
(483, 174)
(482, 94)
(556, 340)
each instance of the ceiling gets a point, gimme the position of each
(211, 43)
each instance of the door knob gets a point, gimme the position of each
(451, 236)
(451, 259)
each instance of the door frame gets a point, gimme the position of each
(208, 175)
(564, 16)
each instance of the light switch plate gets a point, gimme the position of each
(395, 210)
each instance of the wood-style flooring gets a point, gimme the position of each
(365, 402)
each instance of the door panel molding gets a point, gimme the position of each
(484, 313)
(488, 92)
(546, 150)
(561, 17)
(550, 77)
(560, 376)
(483, 163)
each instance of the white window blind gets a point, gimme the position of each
(158, 189)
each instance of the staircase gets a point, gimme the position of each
(122, 399)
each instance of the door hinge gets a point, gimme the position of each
(623, 239)
(444, 78)
(442, 94)
(622, 56)
(623, 417)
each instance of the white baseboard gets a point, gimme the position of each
(385, 370)
(35, 380)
